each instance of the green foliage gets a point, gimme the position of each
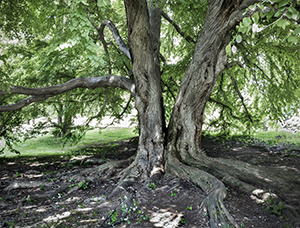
(152, 186)
(43, 46)
(82, 185)
(273, 206)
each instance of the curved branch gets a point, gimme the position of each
(23, 103)
(89, 83)
(40, 94)
(123, 47)
(178, 29)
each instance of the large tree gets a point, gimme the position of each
(219, 28)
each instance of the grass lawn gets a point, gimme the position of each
(47, 145)
(273, 137)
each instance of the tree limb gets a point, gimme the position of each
(241, 97)
(123, 47)
(23, 103)
(40, 94)
(3, 92)
(178, 29)
(224, 106)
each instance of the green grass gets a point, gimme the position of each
(47, 145)
(279, 136)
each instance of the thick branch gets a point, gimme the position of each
(178, 29)
(123, 47)
(3, 92)
(90, 83)
(241, 97)
(40, 94)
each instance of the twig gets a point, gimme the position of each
(178, 29)
(241, 97)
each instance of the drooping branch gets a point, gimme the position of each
(178, 29)
(101, 110)
(40, 94)
(241, 97)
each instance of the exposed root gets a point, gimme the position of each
(121, 187)
(215, 189)
(109, 168)
(284, 181)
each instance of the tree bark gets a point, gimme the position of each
(184, 156)
(148, 94)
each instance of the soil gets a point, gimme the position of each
(46, 191)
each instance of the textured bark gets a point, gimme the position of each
(184, 156)
(148, 96)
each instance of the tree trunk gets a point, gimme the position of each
(148, 96)
(184, 156)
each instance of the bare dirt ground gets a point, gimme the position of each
(46, 192)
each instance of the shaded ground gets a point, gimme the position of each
(45, 192)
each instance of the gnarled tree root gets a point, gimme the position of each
(215, 189)
(284, 181)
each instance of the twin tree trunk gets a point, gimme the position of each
(182, 140)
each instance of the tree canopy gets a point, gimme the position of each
(43, 46)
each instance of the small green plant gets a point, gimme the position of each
(113, 217)
(173, 194)
(17, 175)
(28, 200)
(11, 223)
(152, 186)
(274, 207)
(71, 186)
(42, 187)
(83, 185)
(189, 208)
(182, 221)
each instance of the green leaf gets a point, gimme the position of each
(255, 17)
(270, 14)
(228, 49)
(239, 38)
(283, 3)
(292, 39)
(283, 23)
(247, 21)
(297, 30)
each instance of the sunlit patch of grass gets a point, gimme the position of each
(48, 145)
(279, 136)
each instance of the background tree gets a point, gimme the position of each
(230, 56)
